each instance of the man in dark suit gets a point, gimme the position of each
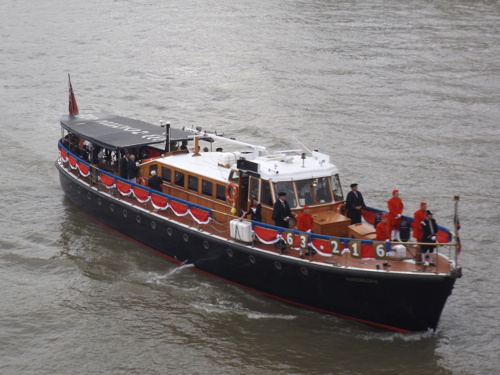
(155, 182)
(354, 203)
(281, 211)
(124, 165)
(281, 217)
(430, 232)
(132, 169)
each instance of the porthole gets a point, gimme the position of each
(169, 231)
(89, 196)
(230, 253)
(277, 265)
(206, 245)
(138, 219)
(185, 237)
(251, 258)
(304, 271)
(153, 225)
(99, 201)
(112, 207)
(125, 213)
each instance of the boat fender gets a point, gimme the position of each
(231, 192)
(142, 181)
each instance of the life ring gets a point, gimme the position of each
(341, 209)
(142, 181)
(231, 192)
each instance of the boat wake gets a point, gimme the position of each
(155, 278)
(396, 336)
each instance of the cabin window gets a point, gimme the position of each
(193, 183)
(166, 174)
(152, 168)
(233, 176)
(221, 192)
(304, 190)
(265, 194)
(287, 187)
(323, 191)
(337, 188)
(207, 187)
(179, 178)
(253, 191)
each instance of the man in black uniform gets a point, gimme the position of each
(281, 211)
(281, 217)
(354, 203)
(430, 230)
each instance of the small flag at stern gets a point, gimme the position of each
(73, 107)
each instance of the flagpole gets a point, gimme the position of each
(455, 220)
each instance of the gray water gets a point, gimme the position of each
(401, 95)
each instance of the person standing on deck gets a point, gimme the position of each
(395, 206)
(430, 232)
(124, 165)
(155, 182)
(281, 217)
(305, 220)
(255, 211)
(419, 216)
(354, 203)
(281, 211)
(132, 169)
(381, 229)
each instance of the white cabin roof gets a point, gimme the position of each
(276, 167)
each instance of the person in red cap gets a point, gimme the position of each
(418, 217)
(305, 220)
(381, 228)
(395, 206)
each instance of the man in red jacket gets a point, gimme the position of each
(418, 217)
(305, 220)
(381, 228)
(395, 206)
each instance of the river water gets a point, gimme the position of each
(401, 95)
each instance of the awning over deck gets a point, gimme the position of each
(116, 132)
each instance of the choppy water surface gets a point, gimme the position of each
(400, 95)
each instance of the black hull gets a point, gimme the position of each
(396, 301)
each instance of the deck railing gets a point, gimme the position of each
(327, 246)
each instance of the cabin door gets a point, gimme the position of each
(243, 203)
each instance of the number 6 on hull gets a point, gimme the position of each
(380, 250)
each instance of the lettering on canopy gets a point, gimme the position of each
(136, 131)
